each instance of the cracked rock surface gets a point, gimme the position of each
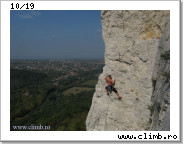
(131, 46)
(161, 80)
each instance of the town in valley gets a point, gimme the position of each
(60, 90)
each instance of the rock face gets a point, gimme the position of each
(161, 83)
(132, 42)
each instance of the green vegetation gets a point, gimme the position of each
(64, 113)
(35, 99)
(22, 78)
(90, 83)
(76, 90)
(22, 82)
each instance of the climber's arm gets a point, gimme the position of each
(113, 82)
(106, 77)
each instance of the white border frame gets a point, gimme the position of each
(6, 134)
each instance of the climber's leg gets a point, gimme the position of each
(116, 93)
(107, 90)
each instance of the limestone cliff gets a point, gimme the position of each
(132, 57)
(160, 107)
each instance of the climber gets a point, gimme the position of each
(110, 86)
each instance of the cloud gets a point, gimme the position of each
(35, 13)
(25, 16)
(29, 15)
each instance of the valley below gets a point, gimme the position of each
(52, 93)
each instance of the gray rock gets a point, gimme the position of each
(161, 79)
(131, 45)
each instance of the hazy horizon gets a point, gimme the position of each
(56, 34)
(60, 59)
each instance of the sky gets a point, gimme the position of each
(56, 34)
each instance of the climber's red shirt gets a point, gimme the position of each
(109, 81)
